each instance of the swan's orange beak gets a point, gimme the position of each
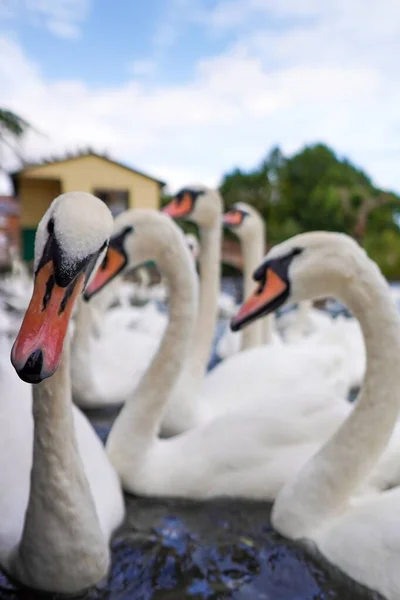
(180, 206)
(112, 264)
(267, 298)
(36, 353)
(233, 218)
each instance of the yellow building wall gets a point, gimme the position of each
(88, 173)
(35, 197)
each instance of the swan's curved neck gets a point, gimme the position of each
(253, 252)
(83, 328)
(325, 484)
(209, 263)
(89, 317)
(140, 419)
(62, 546)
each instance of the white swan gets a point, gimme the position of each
(345, 334)
(60, 504)
(202, 206)
(250, 453)
(360, 536)
(117, 345)
(198, 399)
(248, 225)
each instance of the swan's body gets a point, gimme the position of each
(106, 368)
(59, 505)
(308, 324)
(359, 535)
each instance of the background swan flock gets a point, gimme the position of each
(270, 422)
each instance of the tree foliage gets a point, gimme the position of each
(314, 189)
(12, 129)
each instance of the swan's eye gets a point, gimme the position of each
(50, 226)
(262, 282)
(105, 262)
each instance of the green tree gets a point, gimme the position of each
(315, 189)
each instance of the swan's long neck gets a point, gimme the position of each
(324, 486)
(252, 252)
(81, 340)
(89, 316)
(62, 546)
(209, 262)
(140, 419)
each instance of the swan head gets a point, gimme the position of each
(243, 220)
(138, 237)
(70, 243)
(305, 267)
(196, 203)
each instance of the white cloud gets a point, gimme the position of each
(324, 78)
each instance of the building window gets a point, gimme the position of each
(116, 200)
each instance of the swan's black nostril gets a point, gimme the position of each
(31, 372)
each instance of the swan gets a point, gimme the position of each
(109, 342)
(60, 499)
(249, 453)
(314, 364)
(320, 503)
(203, 206)
(248, 225)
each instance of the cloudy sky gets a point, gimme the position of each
(188, 89)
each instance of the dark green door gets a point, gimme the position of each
(28, 243)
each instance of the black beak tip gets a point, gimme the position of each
(32, 371)
(235, 325)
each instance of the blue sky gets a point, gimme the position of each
(191, 88)
(100, 44)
